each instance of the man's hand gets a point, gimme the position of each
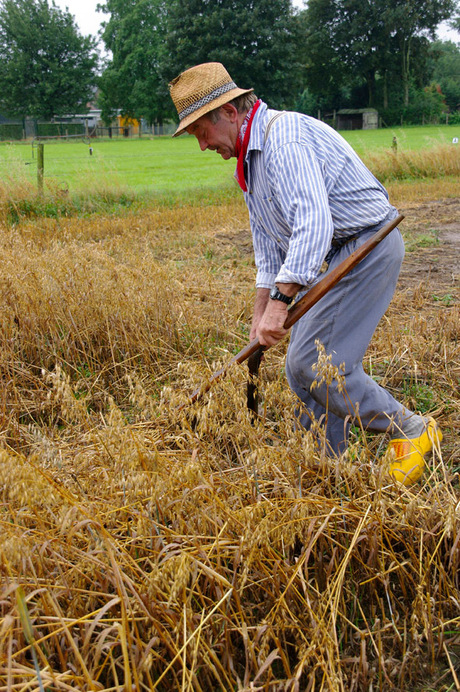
(270, 315)
(271, 329)
(262, 298)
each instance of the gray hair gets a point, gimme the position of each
(242, 104)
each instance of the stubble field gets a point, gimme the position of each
(144, 546)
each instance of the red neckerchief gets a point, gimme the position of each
(241, 147)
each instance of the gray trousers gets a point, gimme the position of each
(344, 321)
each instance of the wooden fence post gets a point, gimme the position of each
(40, 165)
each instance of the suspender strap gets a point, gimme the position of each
(270, 123)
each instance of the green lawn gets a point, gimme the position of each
(165, 164)
(412, 138)
(161, 164)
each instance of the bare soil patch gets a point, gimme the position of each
(437, 265)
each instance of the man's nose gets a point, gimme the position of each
(203, 143)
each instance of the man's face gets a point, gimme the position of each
(220, 136)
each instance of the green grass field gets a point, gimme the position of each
(408, 138)
(157, 164)
(162, 164)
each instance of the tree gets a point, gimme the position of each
(256, 40)
(426, 105)
(347, 43)
(134, 80)
(152, 41)
(326, 70)
(408, 20)
(365, 39)
(445, 63)
(46, 67)
(455, 23)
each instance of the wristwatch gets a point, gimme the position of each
(275, 294)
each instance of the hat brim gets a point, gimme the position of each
(212, 105)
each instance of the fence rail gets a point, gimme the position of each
(17, 131)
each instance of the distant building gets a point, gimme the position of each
(90, 120)
(128, 126)
(357, 119)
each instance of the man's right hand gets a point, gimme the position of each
(262, 298)
(271, 329)
(270, 315)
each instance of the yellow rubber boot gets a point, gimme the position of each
(409, 463)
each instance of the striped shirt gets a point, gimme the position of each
(306, 186)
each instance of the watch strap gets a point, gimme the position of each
(275, 294)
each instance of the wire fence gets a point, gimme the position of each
(36, 130)
(115, 132)
(43, 130)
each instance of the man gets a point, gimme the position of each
(310, 198)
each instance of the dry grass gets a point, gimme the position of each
(143, 547)
(443, 160)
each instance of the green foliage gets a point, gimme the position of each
(428, 103)
(414, 242)
(152, 41)
(410, 20)
(420, 394)
(445, 57)
(256, 40)
(334, 54)
(46, 67)
(11, 131)
(134, 80)
(382, 46)
(59, 129)
(447, 299)
(307, 103)
(326, 69)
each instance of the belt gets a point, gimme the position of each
(338, 243)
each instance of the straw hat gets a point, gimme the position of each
(199, 90)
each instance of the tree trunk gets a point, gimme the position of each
(405, 57)
(385, 89)
(370, 78)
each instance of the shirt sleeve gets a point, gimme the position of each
(296, 176)
(269, 257)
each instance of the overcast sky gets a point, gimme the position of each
(85, 14)
(89, 20)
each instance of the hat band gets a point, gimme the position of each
(207, 99)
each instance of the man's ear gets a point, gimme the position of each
(230, 112)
